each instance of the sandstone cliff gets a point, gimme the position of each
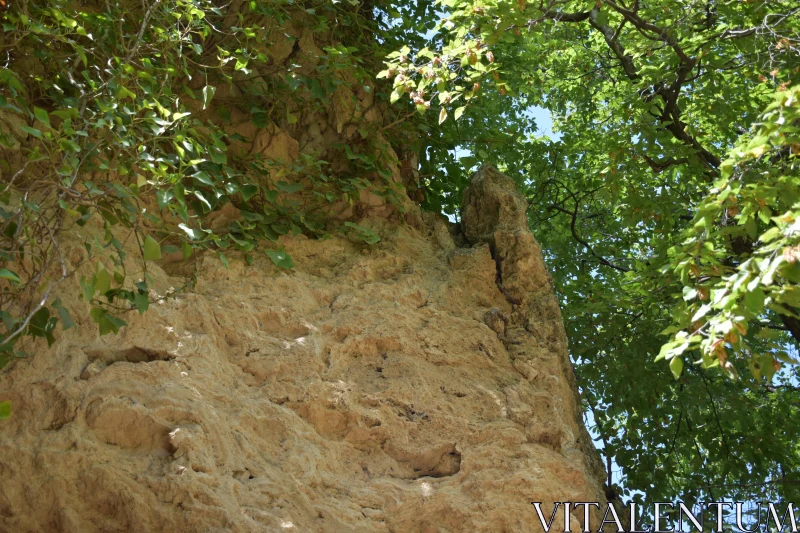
(413, 386)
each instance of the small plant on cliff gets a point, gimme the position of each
(112, 113)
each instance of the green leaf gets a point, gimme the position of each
(32, 131)
(786, 358)
(751, 227)
(365, 234)
(141, 301)
(9, 275)
(42, 325)
(754, 301)
(192, 233)
(218, 156)
(41, 115)
(8, 77)
(63, 313)
(248, 191)
(204, 178)
(102, 280)
(770, 235)
(701, 312)
(317, 91)
(87, 287)
(676, 366)
(208, 94)
(280, 258)
(202, 198)
(106, 322)
(289, 187)
(5, 409)
(666, 350)
(163, 197)
(152, 250)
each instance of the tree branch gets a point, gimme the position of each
(792, 325)
(602, 260)
(660, 166)
(671, 113)
(663, 34)
(610, 36)
(566, 17)
(738, 34)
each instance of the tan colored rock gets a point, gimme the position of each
(11, 128)
(493, 213)
(491, 204)
(360, 392)
(272, 143)
(308, 47)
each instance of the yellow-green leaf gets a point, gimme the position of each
(676, 366)
(152, 250)
(102, 280)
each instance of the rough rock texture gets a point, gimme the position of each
(409, 387)
(494, 213)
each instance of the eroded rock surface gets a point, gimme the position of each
(410, 387)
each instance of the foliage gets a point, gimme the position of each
(107, 114)
(738, 261)
(665, 204)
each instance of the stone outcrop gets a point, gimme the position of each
(494, 214)
(413, 386)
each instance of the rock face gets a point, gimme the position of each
(409, 387)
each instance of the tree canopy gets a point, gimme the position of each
(668, 203)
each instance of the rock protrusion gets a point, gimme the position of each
(492, 203)
(494, 213)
